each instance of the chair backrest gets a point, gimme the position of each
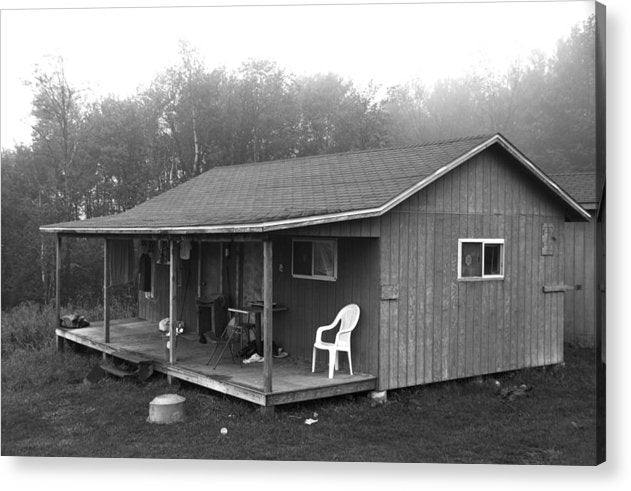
(348, 316)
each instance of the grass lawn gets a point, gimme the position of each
(47, 410)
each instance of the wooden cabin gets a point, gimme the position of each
(453, 251)
(580, 260)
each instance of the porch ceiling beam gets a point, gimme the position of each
(267, 316)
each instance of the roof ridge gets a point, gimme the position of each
(364, 151)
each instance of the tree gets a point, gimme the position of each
(25, 259)
(267, 113)
(119, 150)
(406, 113)
(569, 136)
(336, 117)
(57, 138)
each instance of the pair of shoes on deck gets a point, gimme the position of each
(253, 359)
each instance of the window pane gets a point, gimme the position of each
(323, 259)
(492, 258)
(471, 259)
(302, 258)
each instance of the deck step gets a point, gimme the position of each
(130, 356)
(143, 372)
(145, 365)
(116, 371)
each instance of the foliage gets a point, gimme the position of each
(94, 158)
(30, 325)
(48, 411)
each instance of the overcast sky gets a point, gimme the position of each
(118, 50)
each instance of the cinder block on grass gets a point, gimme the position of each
(378, 396)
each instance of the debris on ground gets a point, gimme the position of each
(512, 392)
(310, 421)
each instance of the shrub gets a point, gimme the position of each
(30, 325)
(27, 326)
(27, 368)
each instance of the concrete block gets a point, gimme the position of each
(378, 396)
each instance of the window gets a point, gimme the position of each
(314, 259)
(480, 259)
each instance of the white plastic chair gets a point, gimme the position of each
(348, 316)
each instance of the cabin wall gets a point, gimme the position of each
(252, 272)
(439, 328)
(314, 303)
(580, 303)
(363, 227)
(187, 280)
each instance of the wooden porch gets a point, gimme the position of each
(292, 379)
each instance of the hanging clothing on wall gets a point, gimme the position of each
(185, 249)
(121, 261)
(146, 247)
(163, 252)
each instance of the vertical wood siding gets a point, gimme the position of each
(314, 303)
(364, 227)
(186, 279)
(441, 328)
(579, 318)
(252, 271)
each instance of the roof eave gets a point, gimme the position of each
(247, 228)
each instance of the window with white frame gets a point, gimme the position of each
(480, 259)
(314, 259)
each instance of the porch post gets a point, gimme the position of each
(199, 271)
(172, 301)
(199, 287)
(60, 340)
(267, 315)
(106, 296)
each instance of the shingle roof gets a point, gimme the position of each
(580, 185)
(236, 197)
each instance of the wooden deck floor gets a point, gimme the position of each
(292, 380)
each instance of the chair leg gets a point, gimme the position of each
(313, 359)
(223, 350)
(213, 353)
(223, 333)
(337, 360)
(350, 363)
(332, 354)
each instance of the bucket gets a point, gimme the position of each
(166, 409)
